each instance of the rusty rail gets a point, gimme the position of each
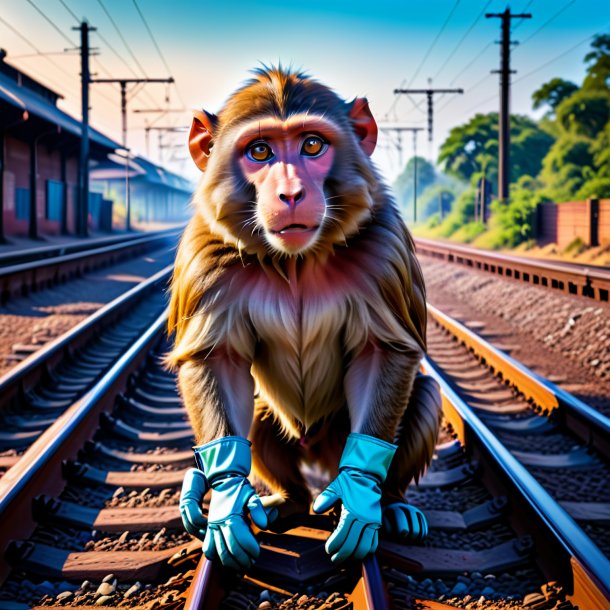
(571, 550)
(588, 424)
(39, 469)
(581, 280)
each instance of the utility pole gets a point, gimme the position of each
(123, 82)
(429, 93)
(504, 118)
(399, 129)
(163, 129)
(82, 215)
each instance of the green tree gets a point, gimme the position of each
(403, 185)
(584, 113)
(598, 72)
(552, 93)
(472, 149)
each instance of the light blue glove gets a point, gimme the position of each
(403, 521)
(194, 487)
(363, 468)
(226, 464)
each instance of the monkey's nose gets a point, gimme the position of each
(292, 199)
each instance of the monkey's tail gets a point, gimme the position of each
(416, 435)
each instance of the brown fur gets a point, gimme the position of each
(332, 337)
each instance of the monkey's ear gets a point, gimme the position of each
(364, 124)
(201, 136)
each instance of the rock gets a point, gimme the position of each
(302, 600)
(65, 596)
(459, 589)
(135, 588)
(533, 598)
(265, 604)
(487, 592)
(106, 588)
(104, 600)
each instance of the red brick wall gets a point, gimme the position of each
(16, 175)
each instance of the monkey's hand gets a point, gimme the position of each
(226, 464)
(363, 468)
(194, 487)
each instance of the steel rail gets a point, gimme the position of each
(368, 594)
(571, 278)
(589, 425)
(37, 254)
(39, 469)
(23, 376)
(15, 279)
(589, 566)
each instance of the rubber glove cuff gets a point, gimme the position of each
(368, 454)
(224, 457)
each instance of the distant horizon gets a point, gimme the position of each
(369, 50)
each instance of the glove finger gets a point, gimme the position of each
(326, 500)
(194, 485)
(241, 541)
(423, 524)
(208, 547)
(403, 526)
(228, 560)
(389, 522)
(350, 543)
(366, 544)
(257, 512)
(415, 522)
(341, 536)
(193, 520)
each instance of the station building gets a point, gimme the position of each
(39, 163)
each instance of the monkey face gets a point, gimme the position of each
(288, 162)
(289, 172)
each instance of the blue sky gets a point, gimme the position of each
(358, 48)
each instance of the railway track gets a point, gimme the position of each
(92, 507)
(26, 272)
(42, 386)
(82, 245)
(571, 278)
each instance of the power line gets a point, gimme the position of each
(561, 10)
(471, 62)
(554, 59)
(53, 24)
(462, 39)
(118, 31)
(423, 61)
(523, 10)
(38, 51)
(152, 36)
(70, 11)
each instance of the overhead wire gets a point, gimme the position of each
(158, 48)
(462, 39)
(436, 38)
(547, 22)
(423, 61)
(38, 52)
(566, 52)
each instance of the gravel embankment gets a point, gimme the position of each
(564, 338)
(41, 316)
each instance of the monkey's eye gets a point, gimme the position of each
(259, 152)
(313, 146)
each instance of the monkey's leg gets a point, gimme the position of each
(416, 437)
(275, 460)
